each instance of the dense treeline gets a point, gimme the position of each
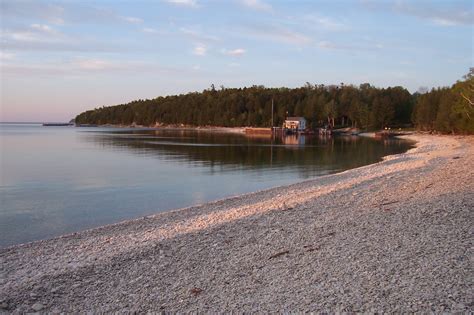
(448, 110)
(364, 107)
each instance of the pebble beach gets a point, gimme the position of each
(395, 236)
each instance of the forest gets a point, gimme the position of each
(446, 110)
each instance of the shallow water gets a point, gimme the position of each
(57, 180)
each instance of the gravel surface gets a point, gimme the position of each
(396, 236)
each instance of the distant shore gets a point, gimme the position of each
(176, 127)
(369, 134)
(395, 236)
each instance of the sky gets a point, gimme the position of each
(59, 58)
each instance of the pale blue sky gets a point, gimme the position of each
(59, 58)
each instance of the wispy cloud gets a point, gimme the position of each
(451, 14)
(150, 30)
(187, 3)
(234, 52)
(131, 19)
(257, 5)
(43, 28)
(445, 22)
(51, 13)
(93, 64)
(324, 44)
(277, 34)
(33, 33)
(42, 37)
(460, 60)
(80, 66)
(359, 46)
(6, 56)
(75, 66)
(197, 35)
(56, 20)
(324, 22)
(69, 12)
(200, 50)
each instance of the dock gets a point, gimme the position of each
(253, 130)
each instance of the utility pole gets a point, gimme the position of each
(273, 134)
(272, 113)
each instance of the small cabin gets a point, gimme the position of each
(295, 123)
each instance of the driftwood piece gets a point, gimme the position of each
(196, 291)
(329, 234)
(311, 248)
(389, 203)
(279, 254)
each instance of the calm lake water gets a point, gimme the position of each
(57, 180)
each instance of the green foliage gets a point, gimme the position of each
(447, 110)
(365, 107)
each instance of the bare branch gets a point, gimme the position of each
(467, 99)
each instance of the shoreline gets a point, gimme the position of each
(227, 254)
(173, 127)
(192, 206)
(234, 130)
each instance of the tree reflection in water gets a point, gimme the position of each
(310, 155)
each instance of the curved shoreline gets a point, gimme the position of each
(271, 250)
(288, 159)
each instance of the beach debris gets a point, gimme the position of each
(196, 291)
(456, 157)
(311, 248)
(279, 254)
(329, 234)
(389, 203)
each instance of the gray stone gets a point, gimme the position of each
(37, 307)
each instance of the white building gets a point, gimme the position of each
(295, 123)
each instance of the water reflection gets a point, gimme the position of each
(61, 180)
(294, 139)
(308, 155)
